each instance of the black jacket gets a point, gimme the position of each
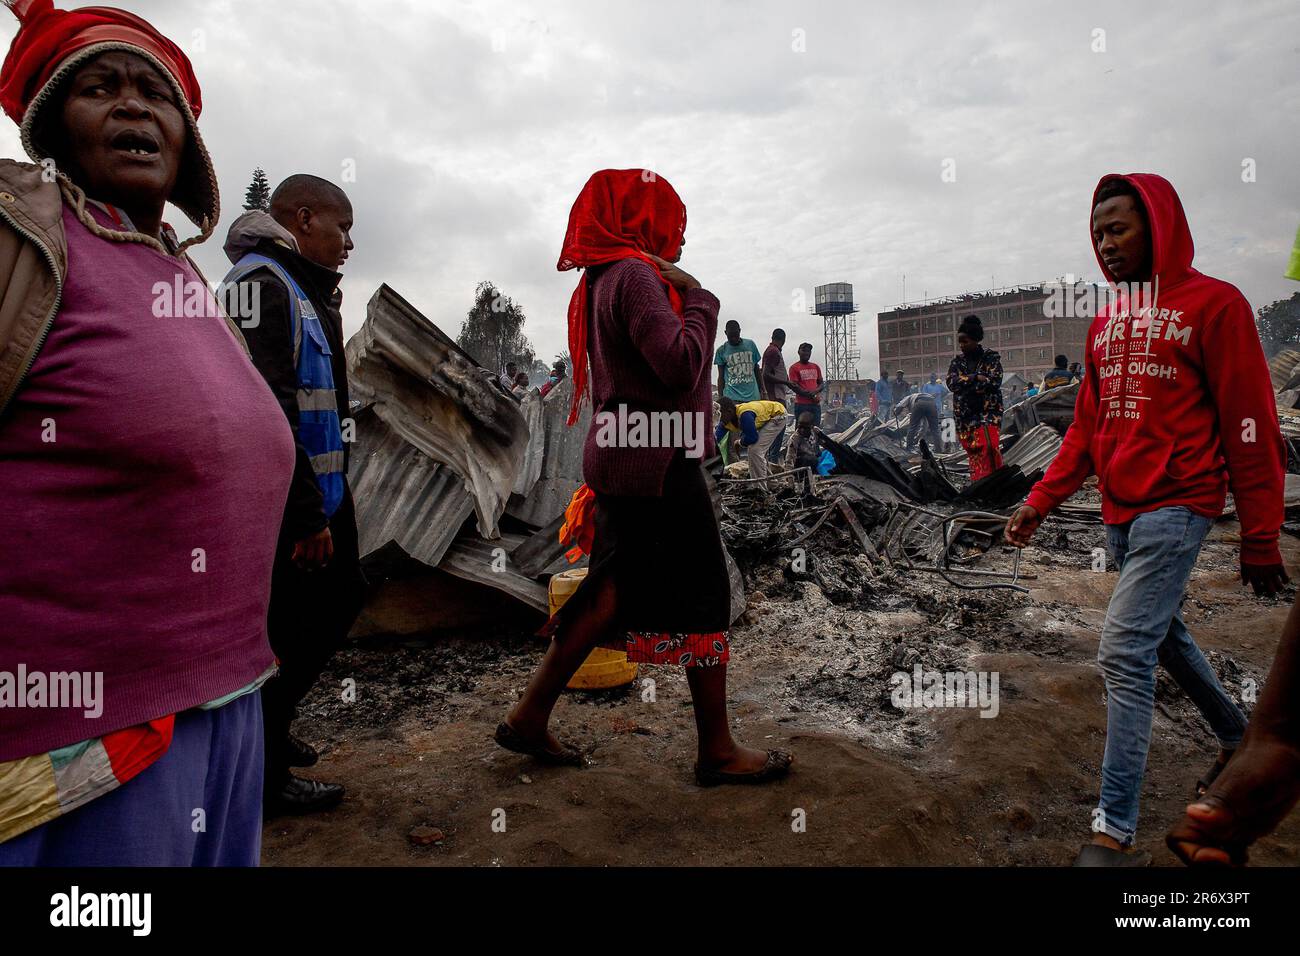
(270, 343)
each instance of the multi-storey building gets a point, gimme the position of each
(921, 338)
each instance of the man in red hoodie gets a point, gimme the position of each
(1175, 408)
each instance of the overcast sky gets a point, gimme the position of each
(808, 140)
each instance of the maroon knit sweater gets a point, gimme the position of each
(644, 357)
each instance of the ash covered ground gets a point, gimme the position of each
(812, 659)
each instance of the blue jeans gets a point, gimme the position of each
(1155, 554)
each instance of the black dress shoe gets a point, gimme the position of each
(301, 753)
(300, 795)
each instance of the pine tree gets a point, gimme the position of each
(258, 195)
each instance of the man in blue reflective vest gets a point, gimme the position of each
(290, 256)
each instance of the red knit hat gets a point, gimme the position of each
(51, 44)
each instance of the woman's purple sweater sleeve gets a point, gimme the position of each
(678, 351)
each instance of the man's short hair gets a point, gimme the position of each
(732, 323)
(1062, 361)
(778, 335)
(1119, 186)
(805, 345)
(303, 189)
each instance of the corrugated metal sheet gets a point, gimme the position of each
(553, 458)
(402, 495)
(477, 559)
(433, 395)
(1034, 450)
(1283, 368)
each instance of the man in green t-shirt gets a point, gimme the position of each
(738, 361)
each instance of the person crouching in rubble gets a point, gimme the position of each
(975, 380)
(290, 256)
(803, 449)
(658, 583)
(144, 465)
(925, 414)
(1175, 407)
(758, 424)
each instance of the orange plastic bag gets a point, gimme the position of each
(579, 528)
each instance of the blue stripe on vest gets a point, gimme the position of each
(319, 429)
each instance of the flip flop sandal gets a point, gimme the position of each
(1212, 775)
(1094, 854)
(507, 737)
(776, 767)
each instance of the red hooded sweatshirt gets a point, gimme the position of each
(1176, 404)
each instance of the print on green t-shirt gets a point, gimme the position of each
(739, 361)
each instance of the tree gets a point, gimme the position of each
(493, 331)
(1279, 325)
(258, 195)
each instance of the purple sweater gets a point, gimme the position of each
(166, 440)
(644, 357)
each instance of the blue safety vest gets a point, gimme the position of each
(319, 429)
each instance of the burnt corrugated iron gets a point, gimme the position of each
(436, 398)
(402, 495)
(552, 468)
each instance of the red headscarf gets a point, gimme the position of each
(48, 36)
(620, 214)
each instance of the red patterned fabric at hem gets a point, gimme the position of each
(688, 650)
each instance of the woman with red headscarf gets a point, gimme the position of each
(145, 467)
(641, 337)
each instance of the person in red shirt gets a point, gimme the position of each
(808, 384)
(1175, 408)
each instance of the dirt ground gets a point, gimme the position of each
(871, 784)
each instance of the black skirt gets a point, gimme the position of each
(663, 556)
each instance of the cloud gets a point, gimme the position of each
(807, 140)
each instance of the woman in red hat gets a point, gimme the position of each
(657, 584)
(145, 467)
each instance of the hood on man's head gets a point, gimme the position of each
(250, 229)
(1171, 238)
(51, 44)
